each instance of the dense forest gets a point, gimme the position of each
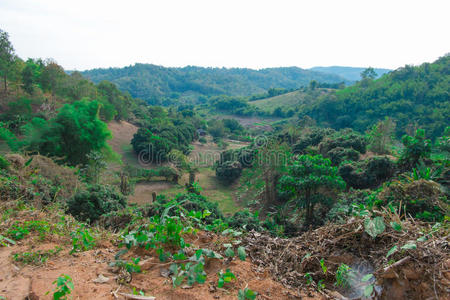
(332, 192)
(164, 86)
(414, 97)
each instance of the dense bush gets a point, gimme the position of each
(416, 148)
(229, 171)
(245, 220)
(339, 154)
(346, 138)
(96, 200)
(4, 163)
(158, 139)
(421, 199)
(368, 173)
(312, 137)
(72, 134)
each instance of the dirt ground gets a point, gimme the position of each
(20, 281)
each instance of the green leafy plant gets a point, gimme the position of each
(82, 240)
(247, 294)
(368, 290)
(309, 279)
(374, 226)
(322, 265)
(343, 276)
(64, 287)
(225, 277)
(36, 258)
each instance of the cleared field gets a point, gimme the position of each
(291, 99)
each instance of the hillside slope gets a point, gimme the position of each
(290, 100)
(412, 96)
(161, 85)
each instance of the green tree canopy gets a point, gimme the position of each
(307, 179)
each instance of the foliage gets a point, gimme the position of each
(308, 175)
(96, 200)
(164, 86)
(245, 220)
(416, 148)
(229, 171)
(156, 141)
(381, 136)
(82, 240)
(64, 287)
(368, 173)
(411, 96)
(346, 138)
(374, 226)
(36, 258)
(4, 163)
(225, 277)
(73, 133)
(247, 294)
(343, 274)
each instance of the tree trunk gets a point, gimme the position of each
(4, 81)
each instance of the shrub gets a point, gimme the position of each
(422, 199)
(96, 200)
(368, 173)
(416, 148)
(202, 140)
(339, 154)
(229, 171)
(346, 139)
(4, 163)
(246, 220)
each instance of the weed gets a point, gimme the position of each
(82, 240)
(343, 276)
(64, 287)
(247, 294)
(36, 258)
(225, 277)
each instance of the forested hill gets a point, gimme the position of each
(349, 73)
(161, 85)
(414, 97)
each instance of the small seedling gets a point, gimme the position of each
(247, 294)
(225, 277)
(64, 287)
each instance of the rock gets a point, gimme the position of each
(101, 279)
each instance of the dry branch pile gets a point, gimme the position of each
(418, 273)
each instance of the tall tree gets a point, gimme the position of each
(308, 179)
(369, 73)
(7, 56)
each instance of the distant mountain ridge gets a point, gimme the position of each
(163, 85)
(349, 73)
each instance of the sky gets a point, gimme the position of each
(86, 34)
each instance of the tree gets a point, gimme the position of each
(7, 56)
(381, 136)
(72, 134)
(307, 180)
(51, 76)
(369, 73)
(416, 148)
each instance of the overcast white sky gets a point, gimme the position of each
(86, 34)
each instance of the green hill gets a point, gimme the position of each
(161, 85)
(349, 73)
(290, 100)
(414, 97)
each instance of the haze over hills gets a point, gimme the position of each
(349, 73)
(162, 85)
